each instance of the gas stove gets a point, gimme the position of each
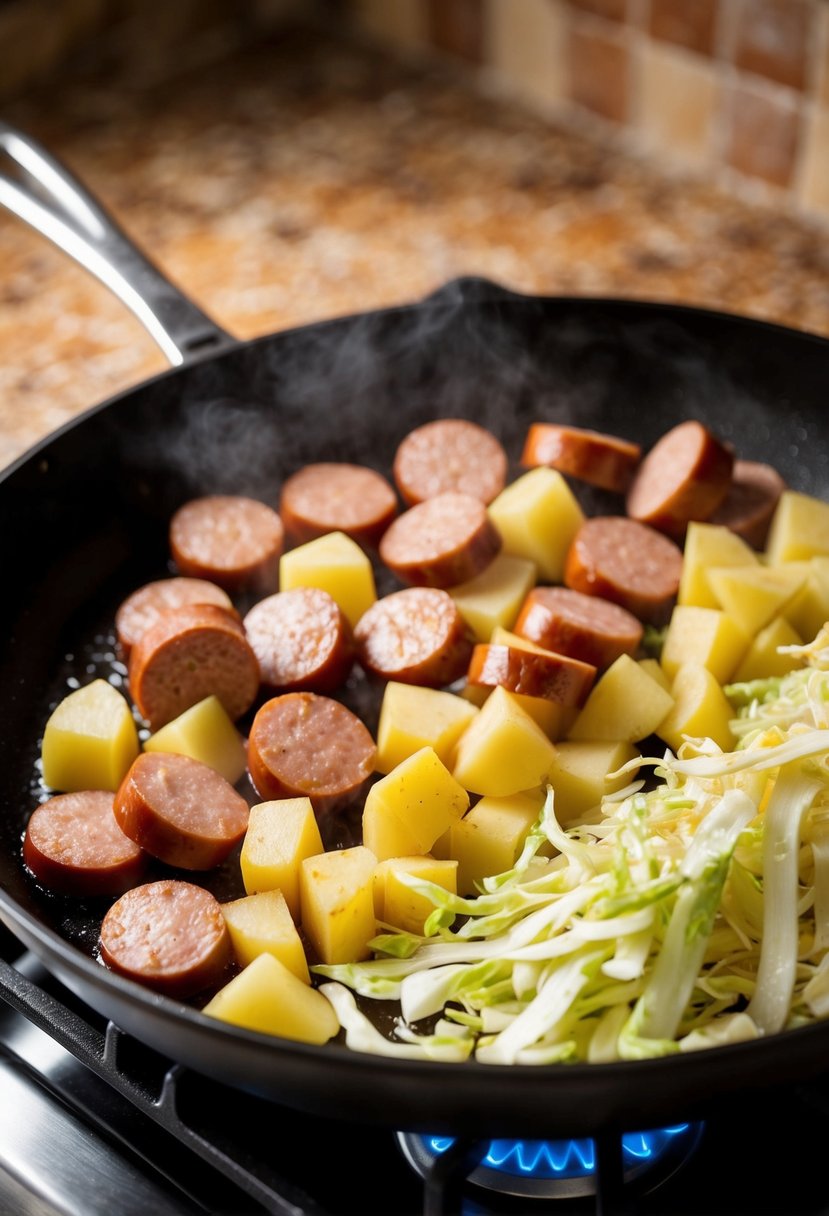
(92, 1123)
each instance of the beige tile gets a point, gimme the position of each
(677, 101)
(774, 39)
(400, 23)
(763, 134)
(598, 68)
(814, 185)
(688, 23)
(526, 44)
(822, 66)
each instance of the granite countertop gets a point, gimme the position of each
(306, 178)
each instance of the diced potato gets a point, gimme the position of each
(338, 565)
(386, 835)
(206, 733)
(708, 545)
(654, 670)
(399, 905)
(503, 750)
(703, 635)
(412, 717)
(90, 740)
(490, 838)
(280, 835)
(267, 997)
(337, 898)
(495, 596)
(808, 610)
(538, 517)
(554, 719)
(751, 596)
(262, 924)
(580, 776)
(624, 706)
(701, 709)
(799, 529)
(762, 659)
(422, 795)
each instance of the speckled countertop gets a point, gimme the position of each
(303, 179)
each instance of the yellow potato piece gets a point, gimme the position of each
(751, 596)
(337, 898)
(799, 529)
(90, 740)
(808, 610)
(280, 835)
(412, 717)
(421, 795)
(554, 719)
(580, 776)
(386, 835)
(624, 706)
(708, 545)
(338, 565)
(495, 596)
(703, 635)
(652, 667)
(268, 997)
(762, 658)
(701, 709)
(490, 838)
(262, 924)
(503, 750)
(206, 733)
(399, 905)
(538, 517)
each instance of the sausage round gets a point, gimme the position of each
(306, 746)
(601, 460)
(450, 455)
(301, 640)
(187, 655)
(348, 498)
(140, 611)
(232, 541)
(749, 505)
(555, 677)
(170, 936)
(73, 844)
(441, 542)
(627, 563)
(582, 626)
(180, 811)
(684, 477)
(415, 636)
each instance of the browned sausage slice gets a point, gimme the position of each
(73, 844)
(684, 477)
(140, 610)
(187, 655)
(555, 677)
(627, 563)
(416, 636)
(332, 497)
(582, 626)
(450, 455)
(302, 745)
(301, 640)
(170, 936)
(441, 542)
(235, 542)
(180, 811)
(601, 460)
(749, 505)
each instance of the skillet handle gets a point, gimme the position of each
(42, 192)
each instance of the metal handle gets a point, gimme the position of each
(44, 194)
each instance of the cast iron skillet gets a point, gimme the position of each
(83, 521)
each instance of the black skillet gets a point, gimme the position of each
(83, 521)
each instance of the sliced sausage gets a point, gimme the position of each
(601, 460)
(170, 936)
(627, 563)
(416, 636)
(582, 626)
(306, 746)
(180, 810)
(189, 653)
(684, 477)
(555, 677)
(73, 844)
(140, 610)
(450, 455)
(750, 503)
(441, 542)
(235, 542)
(332, 497)
(301, 640)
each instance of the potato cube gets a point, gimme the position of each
(280, 835)
(799, 529)
(206, 733)
(90, 740)
(701, 709)
(338, 565)
(399, 905)
(762, 660)
(652, 667)
(751, 596)
(495, 596)
(503, 750)
(422, 795)
(490, 838)
(624, 706)
(337, 899)
(808, 610)
(580, 776)
(703, 635)
(262, 924)
(538, 517)
(412, 717)
(267, 997)
(386, 835)
(708, 545)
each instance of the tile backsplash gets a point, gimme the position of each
(739, 88)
